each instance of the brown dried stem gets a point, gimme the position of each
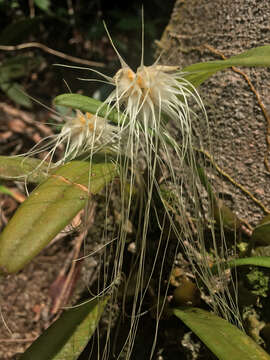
(52, 52)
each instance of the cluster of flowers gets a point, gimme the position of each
(145, 98)
(152, 101)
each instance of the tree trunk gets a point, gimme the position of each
(238, 125)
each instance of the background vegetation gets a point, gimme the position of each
(75, 29)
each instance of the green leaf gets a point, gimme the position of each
(198, 73)
(261, 233)
(5, 190)
(49, 208)
(20, 168)
(14, 68)
(263, 261)
(16, 93)
(225, 340)
(67, 337)
(85, 103)
(18, 66)
(43, 4)
(224, 217)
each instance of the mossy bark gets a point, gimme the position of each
(237, 123)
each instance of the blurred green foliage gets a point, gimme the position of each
(258, 282)
(74, 28)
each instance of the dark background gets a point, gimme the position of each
(75, 28)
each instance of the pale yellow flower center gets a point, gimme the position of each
(82, 120)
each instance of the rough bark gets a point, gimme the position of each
(238, 126)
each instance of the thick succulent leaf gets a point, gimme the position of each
(261, 233)
(85, 103)
(263, 261)
(49, 208)
(23, 168)
(225, 340)
(67, 337)
(199, 72)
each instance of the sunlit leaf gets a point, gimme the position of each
(5, 190)
(199, 72)
(67, 337)
(43, 4)
(87, 104)
(263, 261)
(261, 233)
(225, 340)
(49, 208)
(20, 168)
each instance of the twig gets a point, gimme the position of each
(18, 196)
(65, 291)
(25, 117)
(52, 52)
(62, 299)
(31, 9)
